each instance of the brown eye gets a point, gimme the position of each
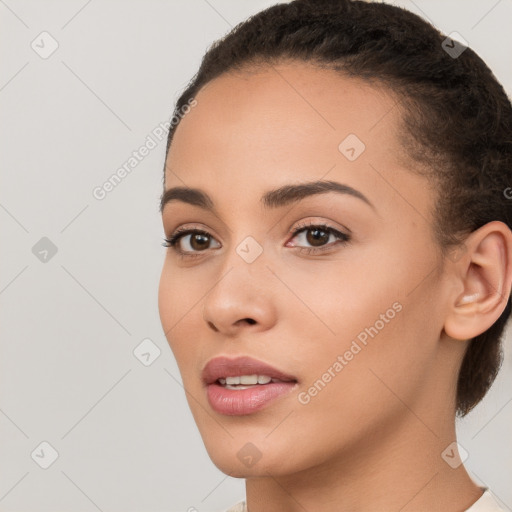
(313, 237)
(199, 242)
(190, 241)
(317, 237)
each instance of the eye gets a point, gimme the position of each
(318, 235)
(185, 241)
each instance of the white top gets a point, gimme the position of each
(486, 503)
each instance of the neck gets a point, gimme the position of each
(394, 470)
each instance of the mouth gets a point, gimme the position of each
(244, 385)
(247, 381)
(242, 371)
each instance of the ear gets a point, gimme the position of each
(484, 274)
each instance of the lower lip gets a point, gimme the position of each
(237, 402)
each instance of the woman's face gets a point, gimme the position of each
(357, 324)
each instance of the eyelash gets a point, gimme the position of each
(343, 238)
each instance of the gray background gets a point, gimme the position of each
(124, 435)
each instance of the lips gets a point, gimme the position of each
(226, 390)
(222, 367)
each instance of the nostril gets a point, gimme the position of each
(213, 327)
(248, 320)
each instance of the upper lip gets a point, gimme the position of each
(222, 367)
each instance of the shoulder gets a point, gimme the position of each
(486, 503)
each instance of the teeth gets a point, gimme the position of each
(247, 380)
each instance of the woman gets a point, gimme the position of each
(339, 268)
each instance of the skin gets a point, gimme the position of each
(381, 423)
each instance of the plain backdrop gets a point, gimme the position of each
(82, 85)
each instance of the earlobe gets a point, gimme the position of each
(485, 275)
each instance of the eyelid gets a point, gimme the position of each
(181, 232)
(190, 226)
(341, 237)
(328, 225)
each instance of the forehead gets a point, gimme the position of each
(284, 108)
(273, 125)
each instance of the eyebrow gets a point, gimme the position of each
(275, 198)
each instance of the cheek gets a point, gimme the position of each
(369, 309)
(180, 303)
(166, 300)
(383, 345)
(174, 306)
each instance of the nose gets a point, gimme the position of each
(242, 298)
(213, 327)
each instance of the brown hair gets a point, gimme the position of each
(456, 116)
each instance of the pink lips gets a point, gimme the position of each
(243, 401)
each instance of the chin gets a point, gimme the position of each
(230, 465)
(238, 457)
